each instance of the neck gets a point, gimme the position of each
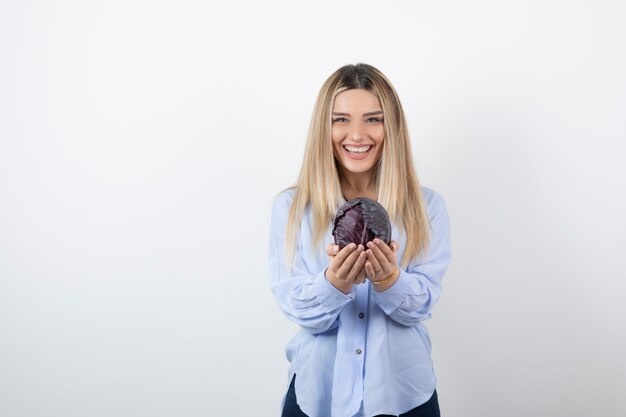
(358, 185)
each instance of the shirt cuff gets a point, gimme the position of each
(390, 299)
(328, 294)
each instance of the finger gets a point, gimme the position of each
(371, 256)
(353, 275)
(386, 250)
(384, 263)
(377, 254)
(342, 255)
(350, 267)
(332, 249)
(344, 270)
(360, 279)
(369, 270)
(395, 246)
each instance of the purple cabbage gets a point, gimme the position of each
(359, 221)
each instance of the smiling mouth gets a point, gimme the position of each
(357, 149)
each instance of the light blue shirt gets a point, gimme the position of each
(366, 352)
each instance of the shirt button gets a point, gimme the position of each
(361, 315)
(359, 351)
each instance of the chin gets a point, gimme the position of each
(357, 169)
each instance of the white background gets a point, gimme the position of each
(142, 142)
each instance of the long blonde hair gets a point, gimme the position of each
(397, 185)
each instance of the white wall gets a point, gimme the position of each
(141, 143)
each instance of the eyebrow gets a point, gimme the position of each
(372, 113)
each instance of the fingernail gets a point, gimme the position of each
(336, 248)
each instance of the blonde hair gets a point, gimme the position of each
(396, 182)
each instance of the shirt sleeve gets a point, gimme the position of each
(410, 299)
(306, 297)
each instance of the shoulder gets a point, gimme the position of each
(435, 202)
(282, 202)
(285, 197)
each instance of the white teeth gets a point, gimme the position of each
(358, 150)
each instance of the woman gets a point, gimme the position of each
(362, 348)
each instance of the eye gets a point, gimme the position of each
(340, 120)
(374, 120)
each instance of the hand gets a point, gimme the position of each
(381, 260)
(346, 266)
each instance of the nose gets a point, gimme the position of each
(357, 133)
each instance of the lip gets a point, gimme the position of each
(357, 156)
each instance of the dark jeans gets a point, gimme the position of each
(428, 409)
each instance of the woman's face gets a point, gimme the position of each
(357, 130)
